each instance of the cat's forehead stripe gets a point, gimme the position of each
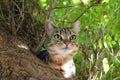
(65, 31)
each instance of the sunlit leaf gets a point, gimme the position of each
(94, 45)
(105, 65)
(113, 42)
(105, 44)
(64, 2)
(86, 2)
(100, 43)
(42, 2)
(76, 1)
(105, 1)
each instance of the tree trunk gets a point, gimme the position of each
(18, 63)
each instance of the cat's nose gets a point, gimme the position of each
(66, 42)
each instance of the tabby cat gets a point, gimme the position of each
(61, 48)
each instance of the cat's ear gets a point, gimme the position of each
(76, 27)
(49, 27)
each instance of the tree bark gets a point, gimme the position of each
(20, 64)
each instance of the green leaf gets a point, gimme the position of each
(100, 43)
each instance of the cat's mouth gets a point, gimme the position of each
(66, 48)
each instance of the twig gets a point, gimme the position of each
(92, 4)
(41, 42)
(21, 16)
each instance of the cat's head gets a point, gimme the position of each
(63, 39)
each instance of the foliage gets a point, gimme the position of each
(99, 54)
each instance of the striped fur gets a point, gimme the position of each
(62, 47)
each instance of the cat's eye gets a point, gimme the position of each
(73, 37)
(57, 36)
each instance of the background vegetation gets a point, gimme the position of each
(99, 54)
